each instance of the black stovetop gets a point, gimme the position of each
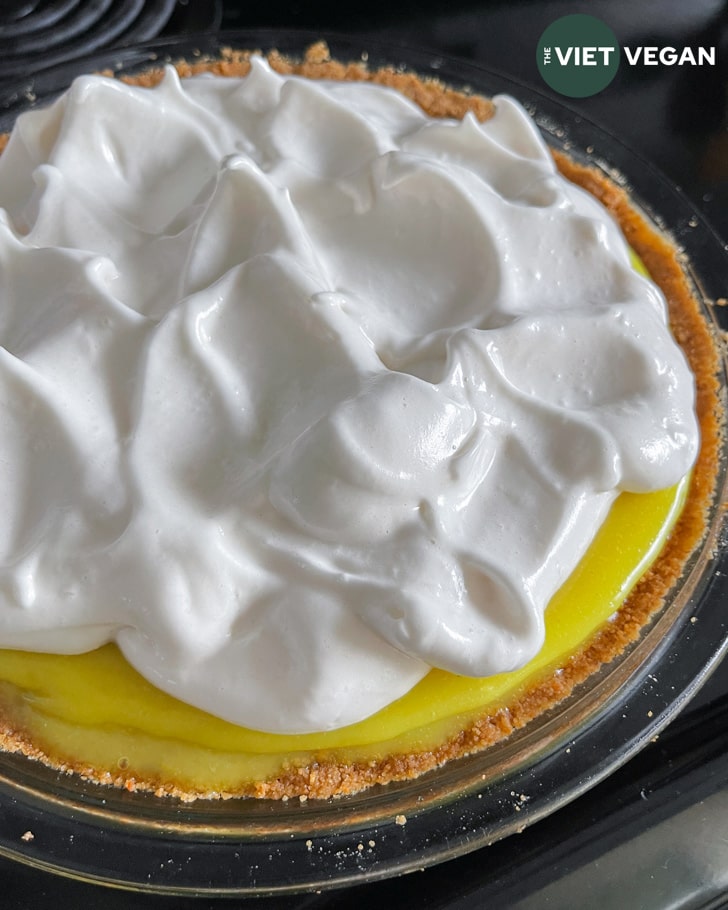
(657, 829)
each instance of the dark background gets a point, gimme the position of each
(625, 843)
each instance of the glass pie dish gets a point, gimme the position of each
(242, 847)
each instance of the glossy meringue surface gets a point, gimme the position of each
(305, 393)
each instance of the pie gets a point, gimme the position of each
(307, 423)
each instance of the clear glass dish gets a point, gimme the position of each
(250, 847)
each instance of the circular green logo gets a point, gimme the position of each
(578, 56)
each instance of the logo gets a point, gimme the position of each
(578, 56)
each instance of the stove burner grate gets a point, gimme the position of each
(37, 34)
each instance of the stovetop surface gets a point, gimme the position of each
(657, 829)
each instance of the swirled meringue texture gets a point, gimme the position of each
(304, 393)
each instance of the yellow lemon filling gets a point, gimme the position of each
(93, 709)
